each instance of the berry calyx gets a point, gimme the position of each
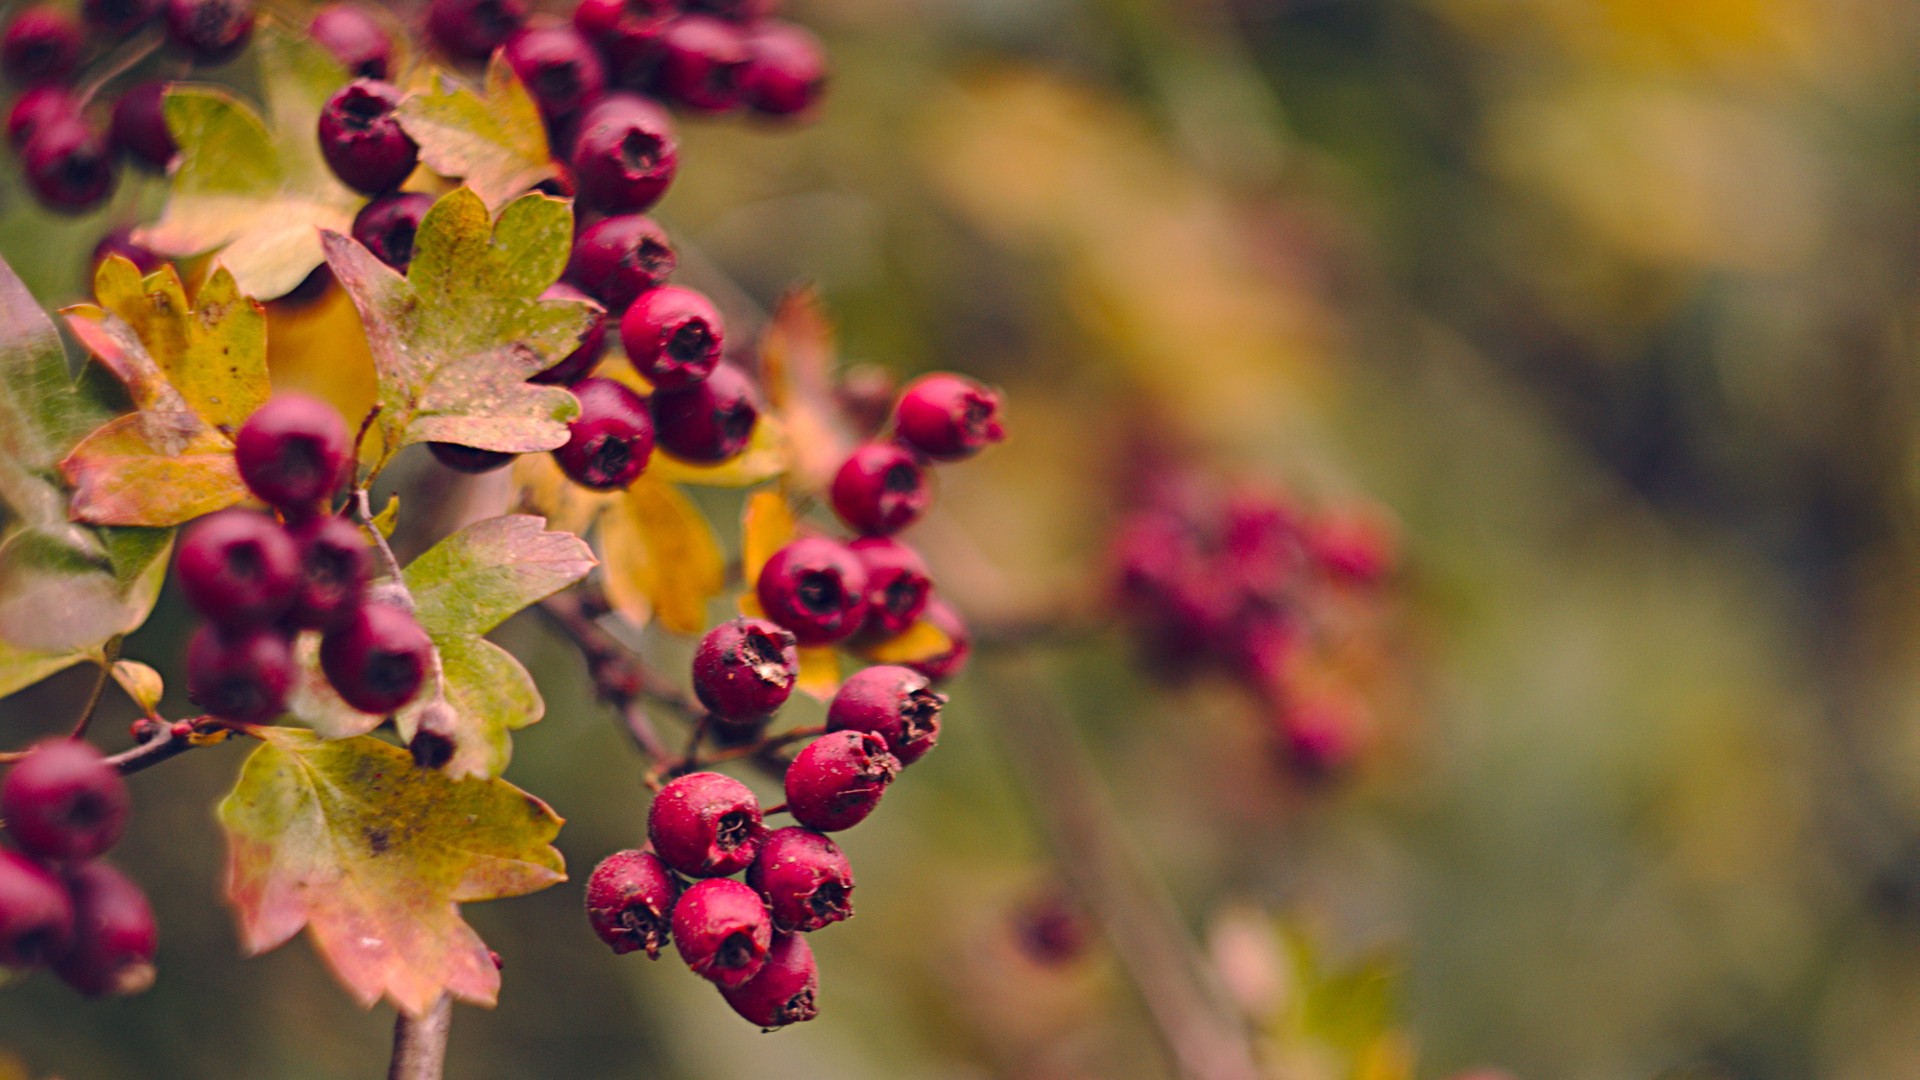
(114, 937)
(242, 674)
(880, 489)
(625, 154)
(334, 567)
(838, 779)
(378, 659)
(471, 460)
(210, 31)
(786, 69)
(618, 258)
(745, 669)
(118, 18)
(898, 587)
(362, 140)
(238, 567)
(41, 45)
(706, 824)
(293, 452)
(709, 422)
(139, 124)
(36, 915)
(948, 417)
(630, 901)
(701, 61)
(609, 443)
(805, 879)
(579, 363)
(472, 29)
(723, 931)
(783, 991)
(387, 225)
(63, 802)
(673, 336)
(355, 38)
(559, 67)
(68, 164)
(816, 588)
(894, 702)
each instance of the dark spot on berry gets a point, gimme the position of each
(640, 152)
(829, 900)
(734, 830)
(765, 658)
(392, 672)
(820, 592)
(900, 596)
(691, 342)
(736, 420)
(557, 82)
(902, 479)
(735, 952)
(920, 713)
(84, 810)
(798, 1009)
(361, 110)
(608, 459)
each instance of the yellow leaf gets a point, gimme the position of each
(319, 349)
(212, 349)
(1387, 1057)
(796, 364)
(766, 525)
(661, 556)
(389, 517)
(819, 671)
(546, 491)
(921, 641)
(142, 684)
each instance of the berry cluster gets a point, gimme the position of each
(259, 579)
(70, 151)
(1247, 584)
(61, 906)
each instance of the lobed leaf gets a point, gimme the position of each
(663, 560)
(495, 141)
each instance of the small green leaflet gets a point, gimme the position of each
(496, 144)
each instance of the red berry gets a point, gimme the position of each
(1354, 545)
(472, 29)
(118, 18)
(618, 258)
(120, 242)
(628, 32)
(469, 459)
(630, 900)
(210, 31)
(701, 61)
(880, 489)
(387, 225)
(68, 164)
(355, 38)
(41, 45)
(293, 452)
(786, 69)
(139, 125)
(805, 879)
(63, 802)
(579, 363)
(745, 669)
(378, 659)
(954, 660)
(722, 930)
(893, 702)
(838, 779)
(1322, 734)
(36, 915)
(114, 937)
(948, 417)
(673, 336)
(783, 992)
(706, 824)
(609, 443)
(816, 588)
(709, 422)
(242, 674)
(36, 107)
(624, 154)
(238, 567)
(362, 140)
(559, 67)
(334, 567)
(898, 587)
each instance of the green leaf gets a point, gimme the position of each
(20, 668)
(497, 144)
(373, 856)
(455, 340)
(256, 188)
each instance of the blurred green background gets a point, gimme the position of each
(1611, 302)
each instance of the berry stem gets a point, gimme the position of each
(420, 1043)
(617, 674)
(137, 50)
(168, 744)
(363, 513)
(108, 654)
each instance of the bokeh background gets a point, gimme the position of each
(1610, 303)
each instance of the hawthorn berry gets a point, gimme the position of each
(139, 124)
(36, 914)
(362, 139)
(816, 588)
(1353, 546)
(114, 937)
(355, 38)
(581, 361)
(706, 824)
(948, 417)
(609, 443)
(334, 567)
(722, 930)
(435, 731)
(625, 154)
(880, 489)
(673, 336)
(472, 29)
(387, 225)
(120, 242)
(238, 567)
(783, 991)
(786, 69)
(898, 586)
(293, 452)
(559, 67)
(617, 258)
(709, 422)
(36, 107)
(950, 663)
(805, 879)
(894, 702)
(241, 674)
(41, 45)
(118, 18)
(471, 460)
(837, 780)
(630, 901)
(210, 31)
(701, 61)
(68, 163)
(63, 802)
(1322, 734)
(744, 669)
(628, 33)
(378, 658)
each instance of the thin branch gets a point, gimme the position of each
(420, 1043)
(142, 47)
(108, 656)
(618, 675)
(171, 741)
(363, 513)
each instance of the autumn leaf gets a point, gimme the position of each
(921, 641)
(495, 143)
(456, 338)
(819, 674)
(797, 355)
(766, 525)
(373, 856)
(254, 187)
(662, 558)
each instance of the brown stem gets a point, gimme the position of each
(420, 1043)
(363, 513)
(108, 656)
(168, 744)
(618, 675)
